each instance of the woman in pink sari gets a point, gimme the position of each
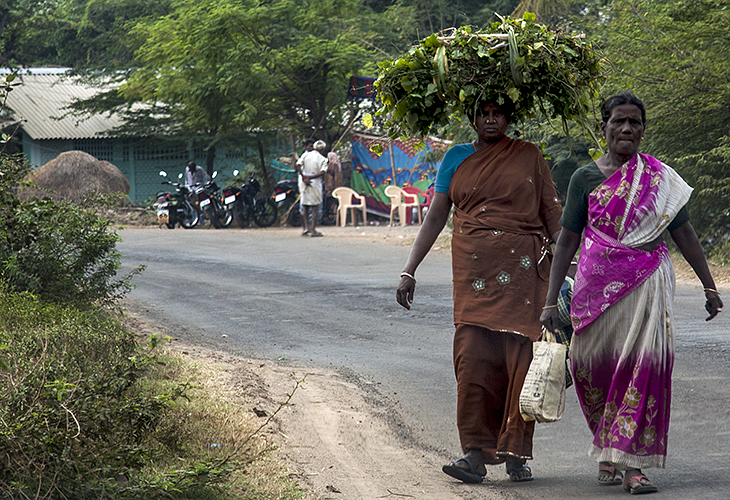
(622, 351)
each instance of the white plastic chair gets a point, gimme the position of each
(402, 202)
(345, 197)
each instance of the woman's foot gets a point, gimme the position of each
(608, 475)
(469, 469)
(518, 471)
(636, 483)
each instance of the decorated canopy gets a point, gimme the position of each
(400, 164)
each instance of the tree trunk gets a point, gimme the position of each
(209, 159)
(264, 170)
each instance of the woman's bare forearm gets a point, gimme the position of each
(432, 226)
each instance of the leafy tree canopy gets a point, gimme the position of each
(77, 33)
(675, 55)
(221, 67)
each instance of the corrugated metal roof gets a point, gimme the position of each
(41, 103)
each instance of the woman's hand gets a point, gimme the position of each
(404, 292)
(550, 318)
(713, 304)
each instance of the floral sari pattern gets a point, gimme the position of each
(623, 346)
(609, 268)
(626, 418)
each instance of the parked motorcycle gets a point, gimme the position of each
(286, 197)
(174, 208)
(243, 203)
(209, 203)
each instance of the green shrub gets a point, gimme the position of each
(70, 414)
(86, 413)
(59, 251)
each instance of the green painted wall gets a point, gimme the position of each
(142, 159)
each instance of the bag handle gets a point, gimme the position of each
(547, 336)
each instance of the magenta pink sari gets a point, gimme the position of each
(623, 348)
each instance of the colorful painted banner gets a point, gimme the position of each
(361, 87)
(400, 164)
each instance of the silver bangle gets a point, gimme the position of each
(408, 275)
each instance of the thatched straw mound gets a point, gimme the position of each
(72, 176)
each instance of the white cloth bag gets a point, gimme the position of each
(543, 394)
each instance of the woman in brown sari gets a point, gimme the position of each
(506, 214)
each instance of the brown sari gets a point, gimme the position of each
(506, 210)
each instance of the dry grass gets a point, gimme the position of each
(131, 216)
(219, 425)
(72, 175)
(684, 272)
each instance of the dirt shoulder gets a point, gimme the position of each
(330, 437)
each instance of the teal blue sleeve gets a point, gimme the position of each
(449, 164)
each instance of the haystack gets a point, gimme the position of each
(72, 176)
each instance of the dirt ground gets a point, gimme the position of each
(329, 436)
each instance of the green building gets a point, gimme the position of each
(38, 108)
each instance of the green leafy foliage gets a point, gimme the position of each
(59, 251)
(675, 55)
(67, 405)
(213, 70)
(89, 414)
(538, 69)
(709, 174)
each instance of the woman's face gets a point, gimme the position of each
(491, 124)
(624, 130)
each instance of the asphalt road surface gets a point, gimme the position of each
(330, 301)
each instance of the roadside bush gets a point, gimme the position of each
(87, 413)
(59, 251)
(69, 413)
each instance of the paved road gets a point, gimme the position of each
(330, 302)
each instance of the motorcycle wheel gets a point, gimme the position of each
(264, 212)
(190, 216)
(225, 218)
(212, 216)
(240, 213)
(295, 216)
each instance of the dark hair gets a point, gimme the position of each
(507, 107)
(308, 141)
(618, 100)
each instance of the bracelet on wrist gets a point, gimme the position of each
(712, 290)
(549, 307)
(408, 275)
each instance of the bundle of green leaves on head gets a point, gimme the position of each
(455, 72)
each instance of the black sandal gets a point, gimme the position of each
(466, 476)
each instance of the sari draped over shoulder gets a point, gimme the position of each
(506, 208)
(629, 209)
(622, 353)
